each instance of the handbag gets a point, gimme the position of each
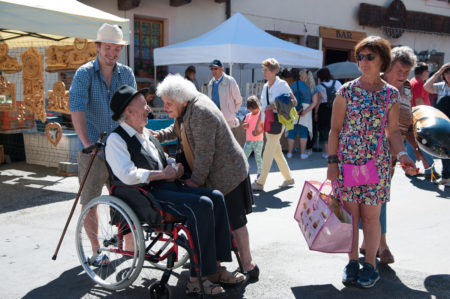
(271, 123)
(326, 225)
(357, 175)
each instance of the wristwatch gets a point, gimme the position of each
(401, 154)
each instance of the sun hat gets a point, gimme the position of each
(111, 34)
(122, 98)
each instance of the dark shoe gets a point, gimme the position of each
(350, 275)
(386, 257)
(368, 276)
(253, 274)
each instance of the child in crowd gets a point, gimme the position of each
(254, 131)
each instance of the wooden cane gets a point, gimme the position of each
(96, 146)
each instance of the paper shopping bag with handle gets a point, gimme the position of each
(325, 223)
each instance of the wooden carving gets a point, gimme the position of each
(7, 95)
(66, 58)
(8, 64)
(53, 131)
(33, 83)
(58, 98)
(21, 114)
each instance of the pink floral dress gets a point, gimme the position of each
(359, 137)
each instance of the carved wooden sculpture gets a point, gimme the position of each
(65, 58)
(8, 64)
(33, 83)
(53, 131)
(58, 98)
(7, 95)
(21, 114)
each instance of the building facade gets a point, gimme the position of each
(331, 26)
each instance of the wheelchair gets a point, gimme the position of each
(166, 244)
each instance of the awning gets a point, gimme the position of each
(40, 23)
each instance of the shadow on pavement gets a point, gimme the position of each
(24, 186)
(425, 184)
(75, 283)
(389, 286)
(20, 196)
(438, 285)
(268, 200)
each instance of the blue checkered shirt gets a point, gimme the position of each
(90, 93)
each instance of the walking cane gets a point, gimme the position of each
(97, 146)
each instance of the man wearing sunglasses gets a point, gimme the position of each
(224, 92)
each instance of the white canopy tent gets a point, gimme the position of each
(238, 41)
(52, 20)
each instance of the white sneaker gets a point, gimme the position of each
(289, 155)
(304, 156)
(257, 187)
(325, 156)
(287, 183)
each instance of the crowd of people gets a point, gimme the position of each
(366, 120)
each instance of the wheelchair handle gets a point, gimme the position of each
(99, 145)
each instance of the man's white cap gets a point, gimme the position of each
(111, 34)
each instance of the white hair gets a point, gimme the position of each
(122, 118)
(177, 88)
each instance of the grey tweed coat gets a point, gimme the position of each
(220, 162)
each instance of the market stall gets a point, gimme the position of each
(41, 46)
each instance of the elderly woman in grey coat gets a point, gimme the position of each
(216, 159)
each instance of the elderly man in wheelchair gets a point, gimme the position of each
(149, 192)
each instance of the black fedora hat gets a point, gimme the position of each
(122, 97)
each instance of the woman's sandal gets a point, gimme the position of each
(211, 289)
(230, 279)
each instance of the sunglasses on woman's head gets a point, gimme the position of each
(369, 57)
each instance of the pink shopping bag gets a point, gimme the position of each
(325, 224)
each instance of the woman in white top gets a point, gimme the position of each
(442, 88)
(272, 150)
(443, 91)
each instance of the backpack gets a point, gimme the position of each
(331, 94)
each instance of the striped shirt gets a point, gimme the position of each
(90, 93)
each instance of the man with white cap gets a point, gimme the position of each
(90, 95)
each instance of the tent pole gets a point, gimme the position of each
(231, 69)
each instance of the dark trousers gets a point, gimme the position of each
(446, 168)
(207, 220)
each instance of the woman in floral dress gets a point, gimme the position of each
(356, 124)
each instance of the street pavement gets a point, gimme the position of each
(35, 203)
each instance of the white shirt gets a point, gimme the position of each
(278, 88)
(442, 90)
(119, 158)
(323, 91)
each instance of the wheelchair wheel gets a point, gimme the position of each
(113, 217)
(160, 291)
(165, 244)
